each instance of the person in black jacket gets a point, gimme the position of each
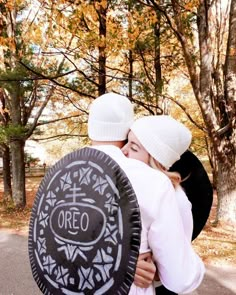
(199, 191)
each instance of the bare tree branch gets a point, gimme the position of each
(59, 119)
(44, 77)
(54, 137)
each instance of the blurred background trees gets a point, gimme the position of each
(172, 57)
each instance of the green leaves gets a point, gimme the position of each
(10, 132)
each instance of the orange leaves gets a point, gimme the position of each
(7, 43)
(10, 5)
(101, 4)
(191, 5)
(3, 41)
(36, 35)
(232, 51)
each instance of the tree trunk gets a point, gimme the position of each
(131, 61)
(226, 184)
(157, 61)
(18, 172)
(102, 13)
(7, 195)
(226, 192)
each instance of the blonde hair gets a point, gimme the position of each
(175, 177)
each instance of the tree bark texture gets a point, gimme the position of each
(18, 172)
(220, 121)
(131, 62)
(157, 61)
(226, 192)
(6, 174)
(102, 14)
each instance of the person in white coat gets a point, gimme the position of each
(149, 140)
(180, 268)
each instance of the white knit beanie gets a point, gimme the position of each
(164, 138)
(110, 118)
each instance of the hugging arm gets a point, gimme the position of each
(145, 271)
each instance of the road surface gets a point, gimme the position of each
(16, 277)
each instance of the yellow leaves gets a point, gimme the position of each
(103, 3)
(140, 24)
(3, 41)
(232, 51)
(100, 4)
(191, 5)
(10, 5)
(133, 34)
(150, 16)
(7, 43)
(102, 41)
(60, 19)
(19, 2)
(36, 35)
(33, 32)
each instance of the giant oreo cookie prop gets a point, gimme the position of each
(85, 226)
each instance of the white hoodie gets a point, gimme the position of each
(180, 269)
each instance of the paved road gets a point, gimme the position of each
(16, 278)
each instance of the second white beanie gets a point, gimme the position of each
(164, 138)
(110, 117)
